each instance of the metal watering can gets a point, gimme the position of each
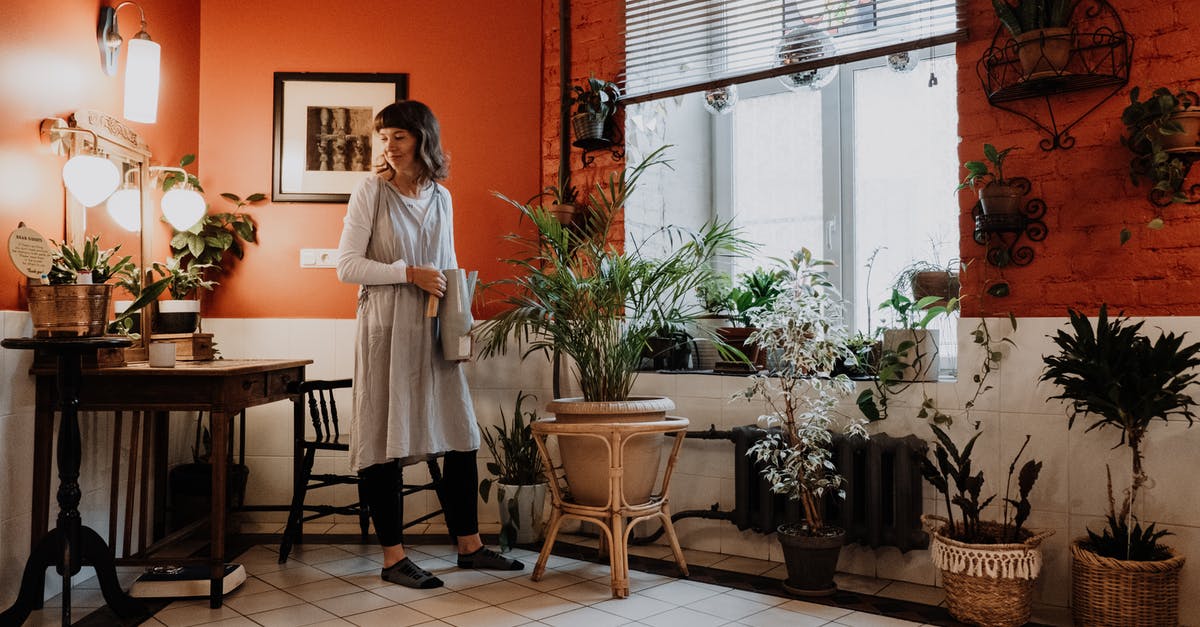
(454, 314)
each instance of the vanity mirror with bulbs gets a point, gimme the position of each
(124, 217)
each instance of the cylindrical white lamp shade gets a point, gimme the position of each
(125, 207)
(183, 208)
(90, 179)
(141, 81)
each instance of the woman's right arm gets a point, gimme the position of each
(353, 266)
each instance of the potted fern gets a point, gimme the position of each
(988, 568)
(1115, 374)
(805, 328)
(519, 480)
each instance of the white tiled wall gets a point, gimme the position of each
(1070, 493)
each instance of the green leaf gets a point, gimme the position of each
(1156, 224)
(255, 197)
(1125, 235)
(186, 160)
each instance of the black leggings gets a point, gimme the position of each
(460, 483)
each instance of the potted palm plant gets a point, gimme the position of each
(805, 327)
(988, 568)
(998, 196)
(1041, 29)
(596, 303)
(1124, 381)
(520, 483)
(1162, 130)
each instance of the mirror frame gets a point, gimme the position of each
(117, 141)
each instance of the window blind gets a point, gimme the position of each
(674, 47)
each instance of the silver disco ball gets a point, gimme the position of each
(903, 61)
(801, 45)
(720, 100)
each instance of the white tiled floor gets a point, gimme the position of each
(339, 584)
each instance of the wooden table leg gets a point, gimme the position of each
(43, 457)
(220, 471)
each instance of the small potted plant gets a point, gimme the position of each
(565, 198)
(520, 482)
(1161, 130)
(180, 313)
(594, 104)
(805, 326)
(909, 336)
(713, 297)
(1124, 381)
(75, 300)
(1042, 31)
(755, 292)
(998, 196)
(988, 568)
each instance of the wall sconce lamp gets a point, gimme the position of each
(125, 205)
(182, 205)
(88, 175)
(141, 66)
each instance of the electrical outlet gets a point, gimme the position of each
(318, 257)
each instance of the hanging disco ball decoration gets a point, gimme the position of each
(801, 45)
(720, 100)
(903, 61)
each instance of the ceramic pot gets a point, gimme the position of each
(811, 560)
(1189, 139)
(921, 356)
(1044, 51)
(1000, 199)
(176, 316)
(522, 511)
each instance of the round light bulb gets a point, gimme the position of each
(90, 179)
(183, 208)
(125, 207)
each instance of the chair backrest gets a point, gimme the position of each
(322, 408)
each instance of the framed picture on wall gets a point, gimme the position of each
(324, 131)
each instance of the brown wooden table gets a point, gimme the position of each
(222, 387)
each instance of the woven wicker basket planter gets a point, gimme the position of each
(1107, 592)
(69, 310)
(987, 584)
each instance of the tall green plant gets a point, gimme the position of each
(1117, 375)
(579, 295)
(806, 329)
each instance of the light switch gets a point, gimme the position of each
(318, 257)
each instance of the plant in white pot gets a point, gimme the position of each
(596, 303)
(805, 328)
(988, 568)
(520, 482)
(1124, 381)
(181, 312)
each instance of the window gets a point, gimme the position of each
(863, 168)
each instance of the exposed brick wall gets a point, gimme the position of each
(1087, 189)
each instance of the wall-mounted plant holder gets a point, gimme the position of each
(1002, 234)
(1100, 52)
(1187, 194)
(612, 139)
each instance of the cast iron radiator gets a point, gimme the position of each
(883, 490)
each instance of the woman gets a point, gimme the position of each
(409, 402)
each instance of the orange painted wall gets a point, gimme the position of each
(477, 63)
(50, 67)
(1087, 188)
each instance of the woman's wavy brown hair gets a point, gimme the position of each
(416, 118)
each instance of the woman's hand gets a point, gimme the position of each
(428, 278)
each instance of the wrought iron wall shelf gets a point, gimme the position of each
(1100, 55)
(615, 146)
(1001, 234)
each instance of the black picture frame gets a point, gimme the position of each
(323, 132)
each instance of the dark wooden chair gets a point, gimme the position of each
(318, 398)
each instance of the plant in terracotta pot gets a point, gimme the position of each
(998, 196)
(806, 328)
(754, 293)
(520, 482)
(565, 200)
(1123, 381)
(596, 303)
(1162, 131)
(594, 104)
(1041, 29)
(988, 568)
